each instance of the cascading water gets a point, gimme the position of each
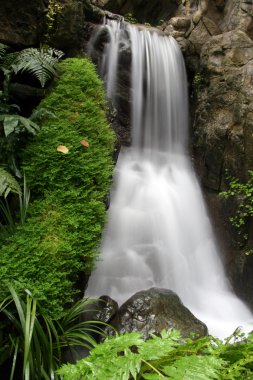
(158, 232)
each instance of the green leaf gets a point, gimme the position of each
(8, 183)
(195, 368)
(10, 124)
(42, 63)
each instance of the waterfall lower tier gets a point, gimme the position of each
(159, 235)
(158, 232)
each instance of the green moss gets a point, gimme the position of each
(67, 212)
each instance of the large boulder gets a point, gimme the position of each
(150, 311)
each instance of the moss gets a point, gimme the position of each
(67, 212)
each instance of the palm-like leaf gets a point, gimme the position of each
(42, 63)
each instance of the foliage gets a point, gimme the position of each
(54, 8)
(198, 82)
(66, 214)
(243, 194)
(16, 123)
(8, 184)
(129, 356)
(41, 63)
(130, 18)
(35, 342)
(9, 216)
(3, 49)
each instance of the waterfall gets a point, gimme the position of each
(158, 231)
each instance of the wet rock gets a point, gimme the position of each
(103, 309)
(151, 311)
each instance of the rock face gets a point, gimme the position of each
(221, 61)
(151, 311)
(66, 27)
(22, 23)
(152, 12)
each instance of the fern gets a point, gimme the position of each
(42, 63)
(167, 357)
(8, 183)
(195, 368)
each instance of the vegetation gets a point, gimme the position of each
(42, 65)
(167, 357)
(33, 346)
(243, 194)
(68, 188)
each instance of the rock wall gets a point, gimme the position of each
(22, 23)
(219, 54)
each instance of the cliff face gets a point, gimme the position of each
(216, 37)
(22, 23)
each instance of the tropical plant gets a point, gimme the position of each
(42, 63)
(169, 356)
(34, 341)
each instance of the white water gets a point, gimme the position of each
(158, 232)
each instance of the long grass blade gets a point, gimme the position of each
(14, 360)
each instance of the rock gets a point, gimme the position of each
(151, 311)
(143, 11)
(222, 113)
(222, 136)
(22, 23)
(180, 23)
(101, 310)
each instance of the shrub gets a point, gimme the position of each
(61, 236)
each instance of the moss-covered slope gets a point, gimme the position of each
(62, 232)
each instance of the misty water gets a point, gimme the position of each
(158, 232)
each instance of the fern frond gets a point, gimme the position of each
(42, 63)
(41, 114)
(8, 183)
(195, 368)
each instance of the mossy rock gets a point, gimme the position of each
(62, 233)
